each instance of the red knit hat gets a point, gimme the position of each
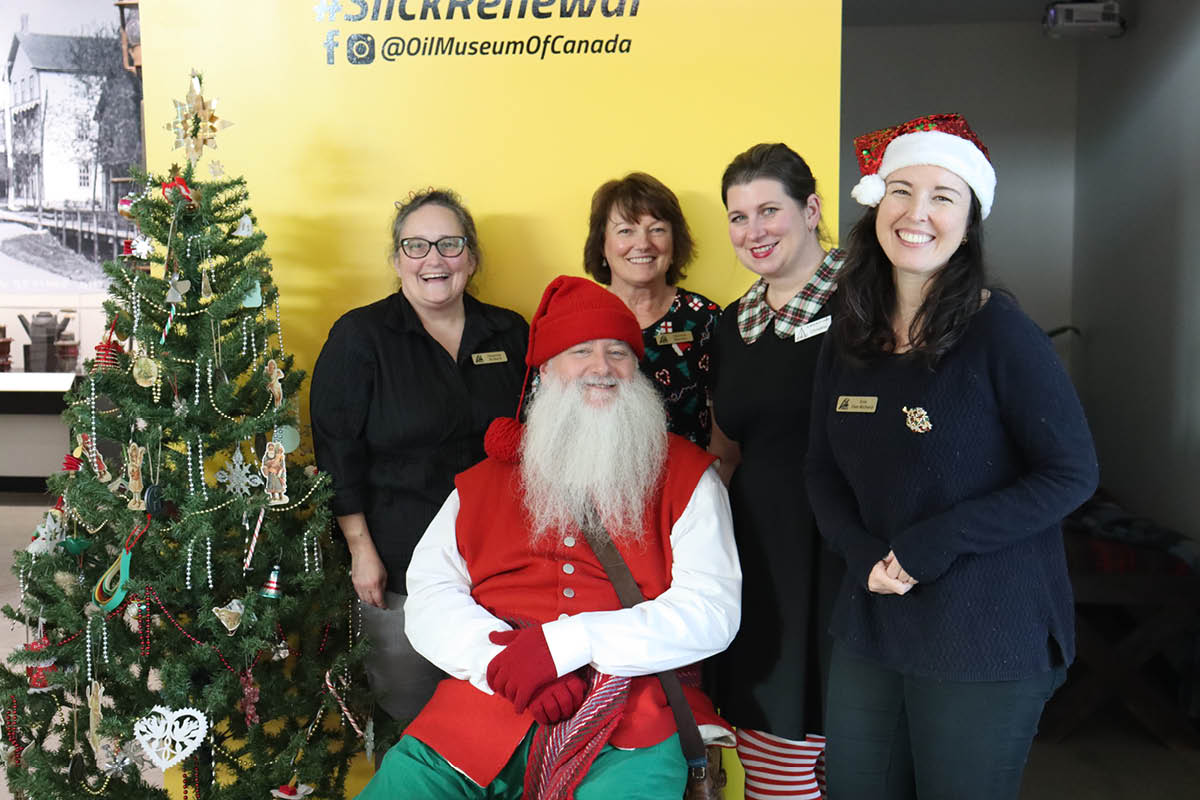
(575, 310)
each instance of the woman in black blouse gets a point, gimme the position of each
(402, 394)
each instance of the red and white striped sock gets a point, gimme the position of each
(781, 768)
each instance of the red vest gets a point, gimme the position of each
(477, 732)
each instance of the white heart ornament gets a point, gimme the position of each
(169, 736)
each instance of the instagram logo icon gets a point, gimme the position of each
(360, 48)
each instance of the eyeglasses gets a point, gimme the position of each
(448, 246)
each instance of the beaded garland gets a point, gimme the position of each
(188, 572)
(162, 308)
(200, 468)
(88, 650)
(137, 322)
(10, 728)
(96, 792)
(92, 442)
(191, 481)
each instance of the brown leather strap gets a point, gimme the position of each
(630, 595)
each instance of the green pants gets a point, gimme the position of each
(412, 769)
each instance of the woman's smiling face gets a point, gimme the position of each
(922, 218)
(433, 280)
(768, 228)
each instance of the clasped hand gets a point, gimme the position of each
(523, 673)
(888, 577)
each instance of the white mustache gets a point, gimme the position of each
(606, 383)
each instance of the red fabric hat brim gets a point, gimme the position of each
(575, 310)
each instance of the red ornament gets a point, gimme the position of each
(108, 350)
(125, 206)
(71, 463)
(39, 672)
(250, 695)
(180, 184)
(127, 247)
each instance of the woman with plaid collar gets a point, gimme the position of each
(769, 682)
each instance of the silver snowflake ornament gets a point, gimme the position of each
(180, 407)
(238, 476)
(116, 761)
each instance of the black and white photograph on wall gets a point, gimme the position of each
(70, 90)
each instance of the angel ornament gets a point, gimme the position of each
(274, 382)
(274, 470)
(95, 702)
(134, 455)
(179, 286)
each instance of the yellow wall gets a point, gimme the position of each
(526, 140)
(326, 149)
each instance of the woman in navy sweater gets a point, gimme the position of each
(947, 445)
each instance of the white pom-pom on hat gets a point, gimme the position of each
(869, 190)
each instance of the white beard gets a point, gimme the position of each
(579, 461)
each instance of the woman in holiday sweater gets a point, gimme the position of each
(769, 682)
(947, 445)
(639, 246)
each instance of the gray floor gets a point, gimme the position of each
(1111, 757)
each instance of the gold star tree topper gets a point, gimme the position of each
(196, 122)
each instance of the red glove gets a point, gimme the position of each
(522, 667)
(558, 699)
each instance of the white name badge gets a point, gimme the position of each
(814, 328)
(495, 357)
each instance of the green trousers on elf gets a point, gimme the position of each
(412, 769)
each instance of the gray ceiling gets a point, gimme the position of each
(929, 12)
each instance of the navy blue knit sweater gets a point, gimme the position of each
(972, 508)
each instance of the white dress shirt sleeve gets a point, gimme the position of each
(441, 618)
(695, 618)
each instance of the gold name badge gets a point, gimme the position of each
(851, 404)
(673, 338)
(496, 357)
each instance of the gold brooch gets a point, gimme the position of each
(917, 419)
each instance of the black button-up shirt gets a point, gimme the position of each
(395, 418)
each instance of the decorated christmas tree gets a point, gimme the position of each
(185, 604)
